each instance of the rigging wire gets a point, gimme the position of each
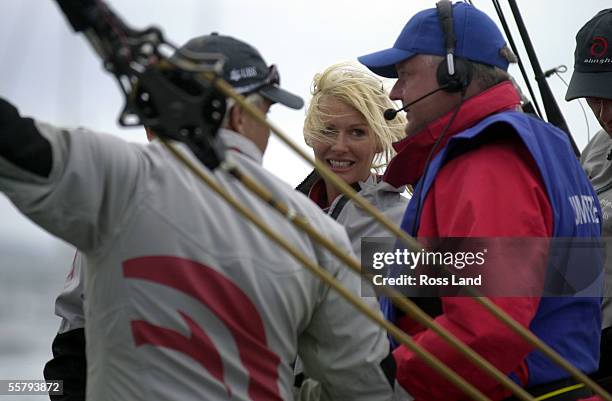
(586, 119)
(502, 18)
(553, 112)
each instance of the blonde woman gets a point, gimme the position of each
(346, 129)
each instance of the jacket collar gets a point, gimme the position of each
(238, 143)
(313, 186)
(407, 166)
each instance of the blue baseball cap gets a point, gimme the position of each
(478, 39)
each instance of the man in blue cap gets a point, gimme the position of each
(482, 168)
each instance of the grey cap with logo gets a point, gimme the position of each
(592, 75)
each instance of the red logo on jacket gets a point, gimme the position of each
(599, 47)
(225, 300)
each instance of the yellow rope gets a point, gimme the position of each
(404, 304)
(326, 173)
(558, 392)
(327, 278)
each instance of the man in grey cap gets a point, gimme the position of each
(592, 80)
(185, 299)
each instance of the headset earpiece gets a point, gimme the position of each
(454, 74)
(457, 82)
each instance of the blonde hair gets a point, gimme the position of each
(365, 93)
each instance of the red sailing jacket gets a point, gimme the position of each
(514, 204)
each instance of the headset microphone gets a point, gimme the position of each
(390, 114)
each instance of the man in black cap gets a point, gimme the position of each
(592, 80)
(246, 70)
(185, 299)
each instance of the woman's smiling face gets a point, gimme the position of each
(350, 146)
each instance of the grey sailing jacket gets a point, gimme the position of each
(597, 163)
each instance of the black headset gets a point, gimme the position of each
(454, 74)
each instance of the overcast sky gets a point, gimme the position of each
(52, 74)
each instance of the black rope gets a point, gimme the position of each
(502, 18)
(584, 114)
(551, 107)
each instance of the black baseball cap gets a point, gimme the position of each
(244, 68)
(592, 75)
